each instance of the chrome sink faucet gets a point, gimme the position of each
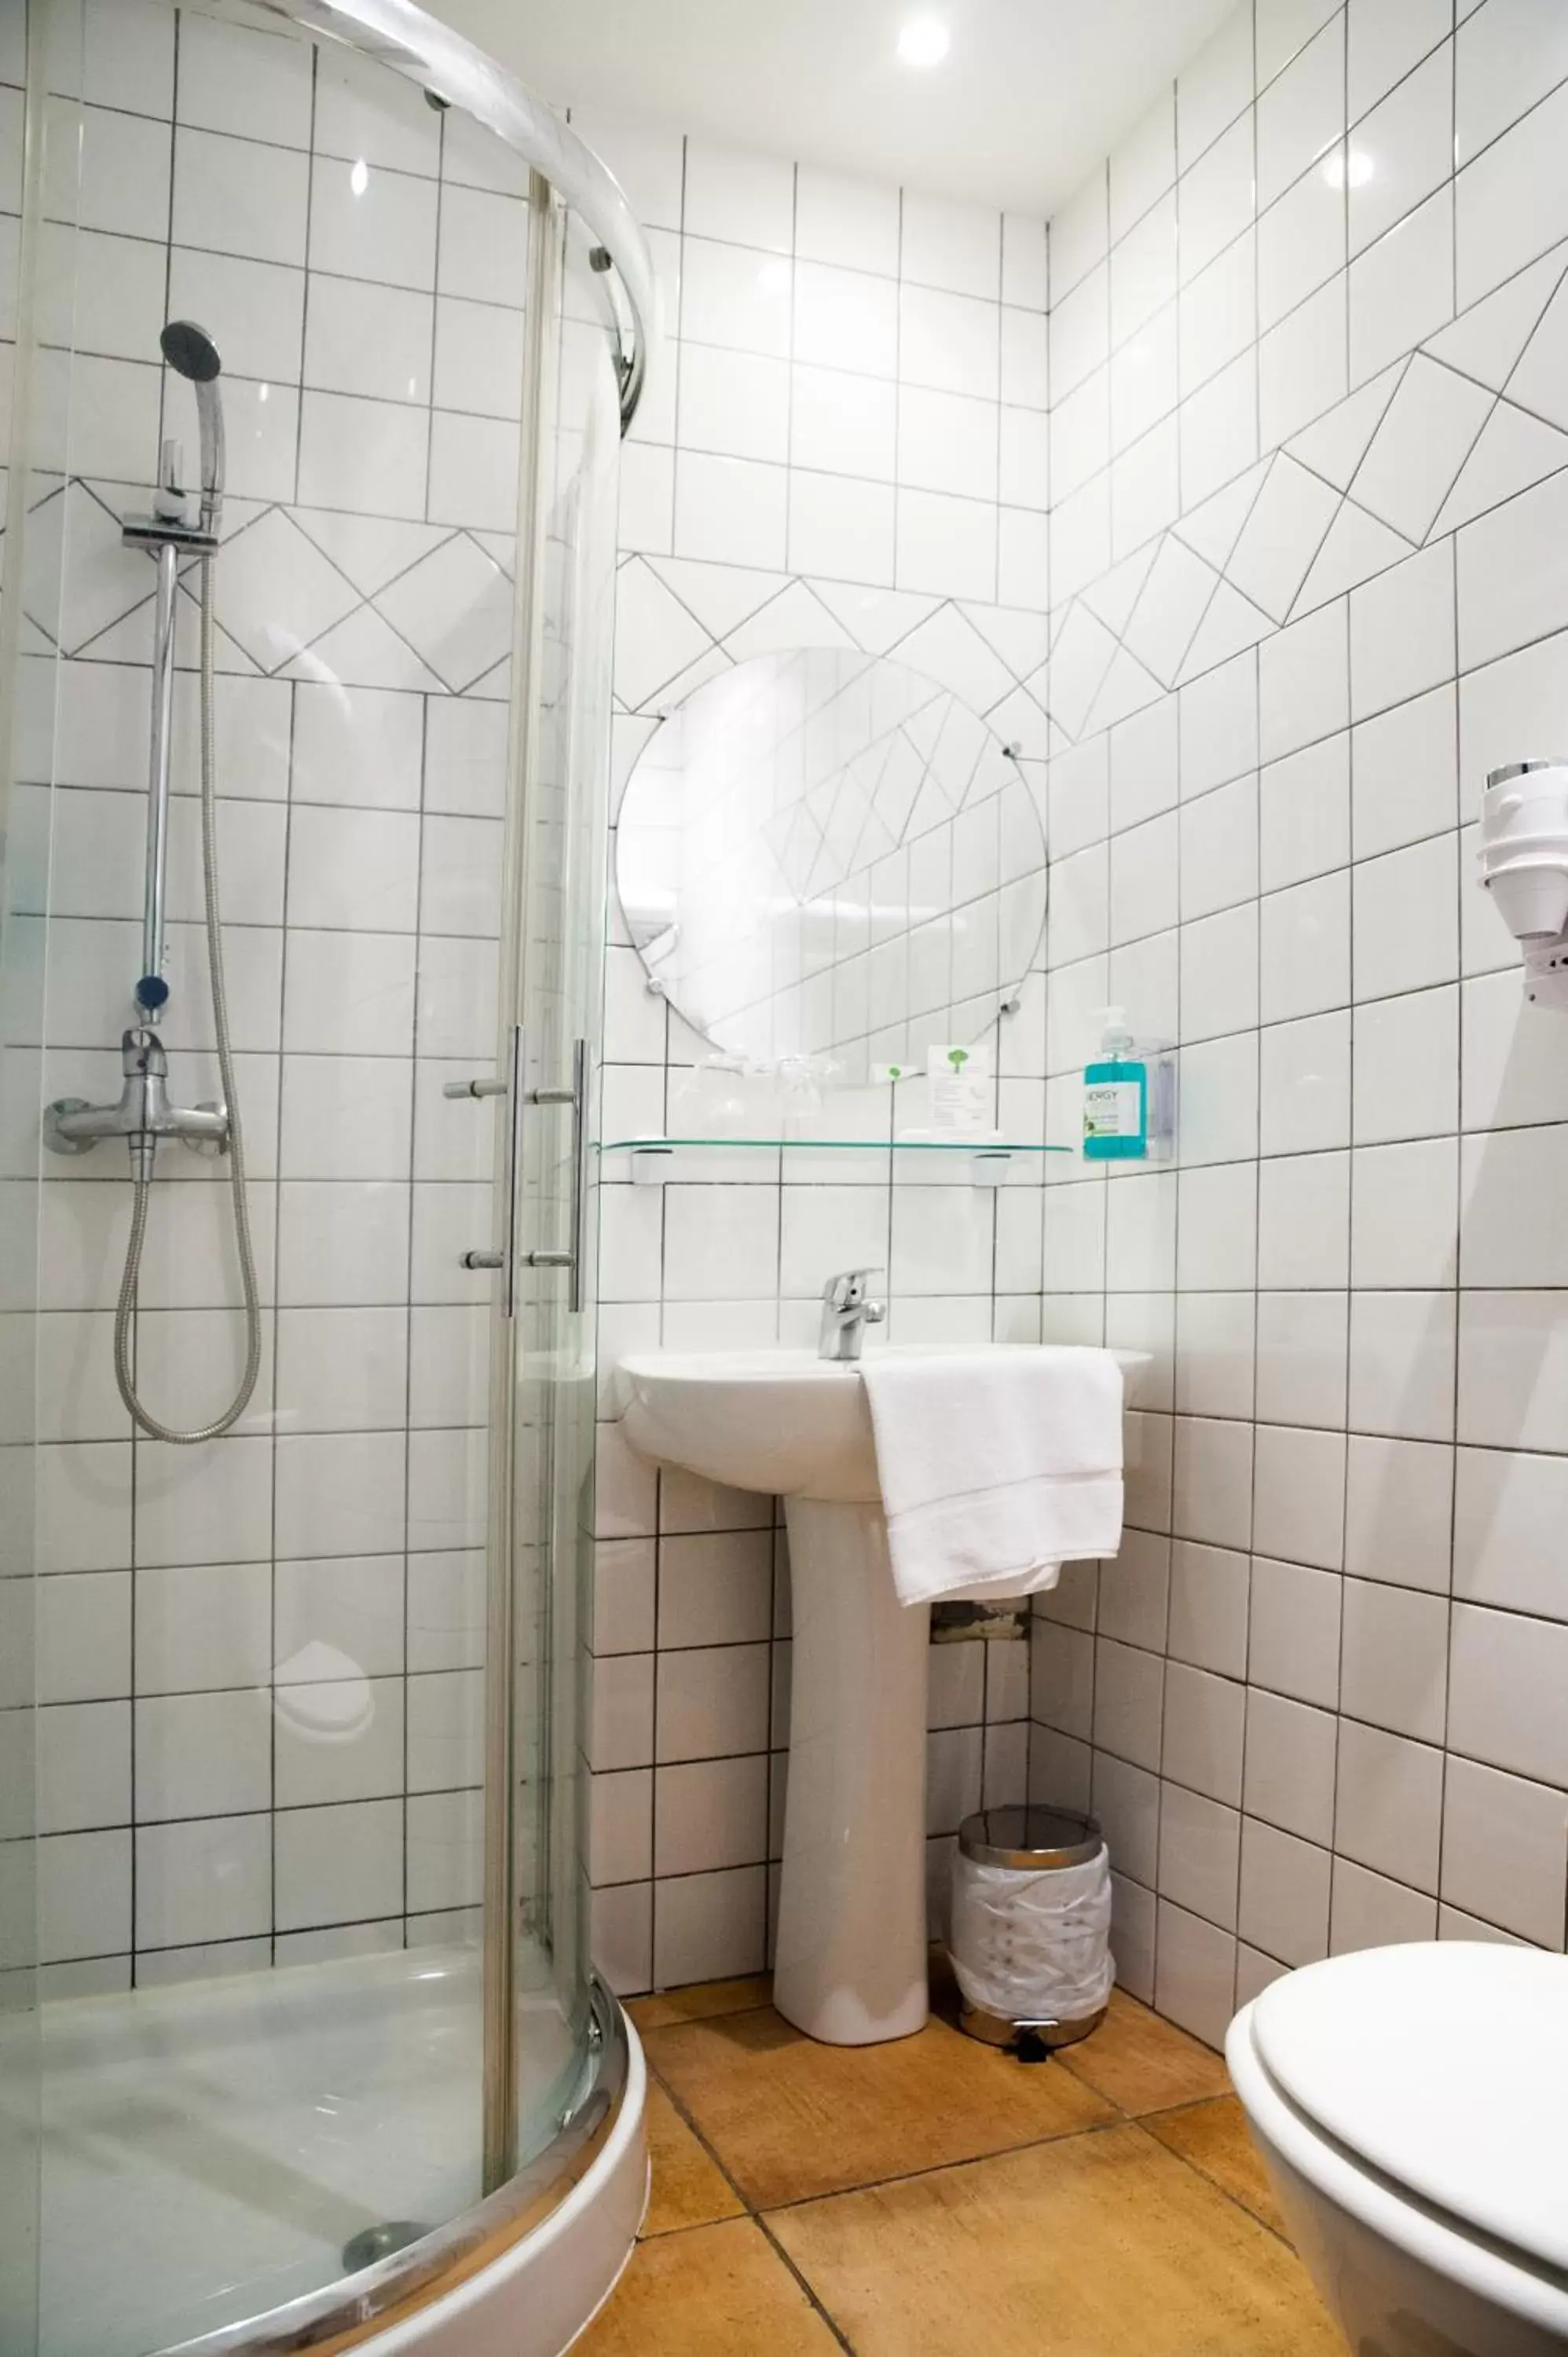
(847, 1310)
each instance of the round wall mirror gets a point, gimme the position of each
(822, 855)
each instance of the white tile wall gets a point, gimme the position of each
(259, 1658)
(1355, 609)
(1276, 678)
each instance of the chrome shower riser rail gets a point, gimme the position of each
(166, 541)
(156, 882)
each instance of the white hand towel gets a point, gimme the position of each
(996, 1467)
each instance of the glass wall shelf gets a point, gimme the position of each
(656, 1161)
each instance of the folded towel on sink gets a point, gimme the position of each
(996, 1466)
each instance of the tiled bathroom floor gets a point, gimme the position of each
(932, 2197)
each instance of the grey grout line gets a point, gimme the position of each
(751, 2212)
(412, 1281)
(804, 2282)
(1459, 888)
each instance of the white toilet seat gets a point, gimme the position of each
(1423, 2091)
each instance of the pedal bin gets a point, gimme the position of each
(1031, 1924)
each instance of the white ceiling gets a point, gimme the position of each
(1032, 93)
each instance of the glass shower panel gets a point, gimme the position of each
(564, 820)
(261, 1796)
(29, 585)
(260, 1738)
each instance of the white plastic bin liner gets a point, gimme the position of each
(1033, 1946)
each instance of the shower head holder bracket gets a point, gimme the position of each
(153, 532)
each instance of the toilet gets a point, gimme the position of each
(1412, 2106)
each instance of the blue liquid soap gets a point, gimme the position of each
(1116, 1097)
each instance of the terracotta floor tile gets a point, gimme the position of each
(719, 2291)
(1214, 2137)
(703, 2002)
(688, 2190)
(791, 2118)
(1143, 2064)
(1093, 2246)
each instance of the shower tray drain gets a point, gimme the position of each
(376, 2242)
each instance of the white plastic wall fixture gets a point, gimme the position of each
(1523, 861)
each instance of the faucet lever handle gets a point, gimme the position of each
(142, 1051)
(848, 1289)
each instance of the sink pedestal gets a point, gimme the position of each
(851, 1964)
(852, 1912)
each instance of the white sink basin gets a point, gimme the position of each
(784, 1422)
(851, 1964)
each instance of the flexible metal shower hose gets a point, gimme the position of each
(126, 1308)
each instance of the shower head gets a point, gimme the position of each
(190, 350)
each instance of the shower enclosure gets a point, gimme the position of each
(320, 339)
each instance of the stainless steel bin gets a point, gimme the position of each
(1031, 1920)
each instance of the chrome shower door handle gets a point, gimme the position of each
(577, 1096)
(507, 1083)
(511, 1255)
(511, 1169)
(579, 1169)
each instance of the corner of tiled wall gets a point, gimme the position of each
(1308, 434)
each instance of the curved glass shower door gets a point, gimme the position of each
(543, 1369)
(308, 1979)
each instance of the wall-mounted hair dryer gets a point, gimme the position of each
(1524, 866)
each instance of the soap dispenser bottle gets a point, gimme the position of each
(1116, 1097)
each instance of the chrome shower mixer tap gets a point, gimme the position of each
(143, 1114)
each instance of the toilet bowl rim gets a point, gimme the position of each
(1449, 2246)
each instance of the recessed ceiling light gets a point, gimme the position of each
(923, 41)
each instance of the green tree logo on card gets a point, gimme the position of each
(958, 1058)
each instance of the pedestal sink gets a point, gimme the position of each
(851, 1964)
